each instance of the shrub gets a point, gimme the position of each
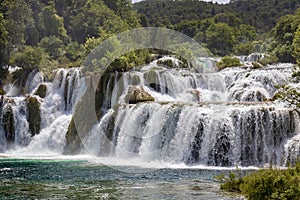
(28, 57)
(228, 62)
(266, 184)
(232, 182)
(268, 59)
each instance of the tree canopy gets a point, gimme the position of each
(67, 30)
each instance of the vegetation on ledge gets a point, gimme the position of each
(228, 62)
(265, 184)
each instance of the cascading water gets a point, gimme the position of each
(23, 117)
(164, 114)
(221, 119)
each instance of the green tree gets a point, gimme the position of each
(28, 57)
(220, 39)
(283, 34)
(228, 18)
(52, 24)
(296, 45)
(91, 17)
(245, 33)
(125, 11)
(53, 45)
(19, 16)
(3, 40)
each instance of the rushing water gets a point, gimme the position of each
(224, 118)
(71, 179)
(183, 127)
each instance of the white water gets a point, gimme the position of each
(190, 124)
(55, 110)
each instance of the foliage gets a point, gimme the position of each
(289, 94)
(268, 59)
(296, 45)
(68, 30)
(3, 39)
(51, 24)
(220, 39)
(19, 16)
(28, 57)
(232, 182)
(3, 74)
(283, 34)
(228, 62)
(265, 184)
(87, 22)
(52, 45)
(263, 16)
(244, 48)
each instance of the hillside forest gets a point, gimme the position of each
(60, 33)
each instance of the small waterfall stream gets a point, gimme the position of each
(159, 113)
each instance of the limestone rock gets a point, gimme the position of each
(137, 94)
(41, 91)
(34, 115)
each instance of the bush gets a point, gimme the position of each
(268, 59)
(232, 182)
(53, 45)
(228, 62)
(266, 184)
(288, 94)
(245, 48)
(28, 57)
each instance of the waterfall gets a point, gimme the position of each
(199, 134)
(218, 118)
(162, 112)
(23, 117)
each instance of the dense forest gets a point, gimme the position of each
(60, 33)
(240, 27)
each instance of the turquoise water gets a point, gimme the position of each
(71, 179)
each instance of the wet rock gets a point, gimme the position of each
(2, 92)
(34, 115)
(137, 94)
(9, 124)
(86, 115)
(41, 91)
(256, 65)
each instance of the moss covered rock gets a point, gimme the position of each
(73, 140)
(166, 62)
(137, 94)
(34, 115)
(8, 124)
(86, 114)
(41, 91)
(2, 92)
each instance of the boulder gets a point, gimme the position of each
(137, 94)
(41, 91)
(8, 124)
(34, 115)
